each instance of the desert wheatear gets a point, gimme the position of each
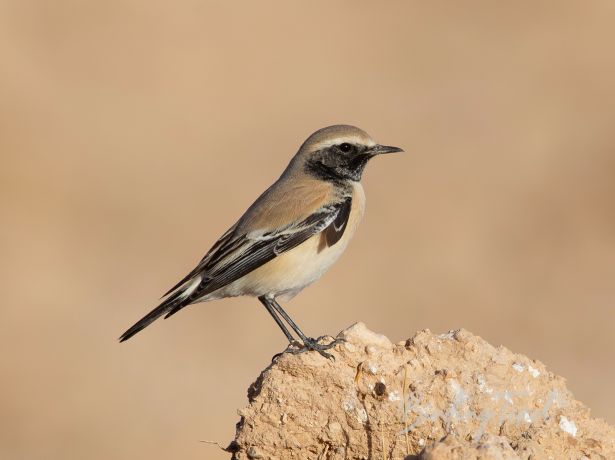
(289, 237)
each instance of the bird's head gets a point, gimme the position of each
(339, 153)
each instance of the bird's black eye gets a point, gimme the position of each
(346, 147)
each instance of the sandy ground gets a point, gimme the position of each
(446, 396)
(133, 133)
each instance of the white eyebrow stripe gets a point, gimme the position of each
(340, 140)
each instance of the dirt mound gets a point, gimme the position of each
(447, 396)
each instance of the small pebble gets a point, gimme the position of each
(370, 349)
(254, 453)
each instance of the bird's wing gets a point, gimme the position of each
(237, 254)
(285, 206)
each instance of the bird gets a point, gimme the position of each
(289, 237)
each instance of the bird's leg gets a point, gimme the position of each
(266, 302)
(308, 343)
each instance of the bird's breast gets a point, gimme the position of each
(307, 262)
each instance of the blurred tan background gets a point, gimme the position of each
(133, 133)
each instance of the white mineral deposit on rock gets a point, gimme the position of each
(535, 372)
(567, 425)
(518, 367)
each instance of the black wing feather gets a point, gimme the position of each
(215, 250)
(334, 232)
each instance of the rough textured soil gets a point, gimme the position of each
(448, 396)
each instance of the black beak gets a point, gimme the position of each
(380, 149)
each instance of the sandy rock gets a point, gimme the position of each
(488, 448)
(359, 334)
(447, 396)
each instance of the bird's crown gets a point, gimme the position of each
(336, 135)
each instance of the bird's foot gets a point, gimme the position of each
(314, 345)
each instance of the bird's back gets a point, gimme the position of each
(287, 200)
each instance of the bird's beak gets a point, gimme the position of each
(380, 149)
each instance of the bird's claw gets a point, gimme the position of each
(314, 345)
(297, 347)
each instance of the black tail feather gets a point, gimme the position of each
(199, 291)
(176, 301)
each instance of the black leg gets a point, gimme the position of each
(266, 302)
(288, 319)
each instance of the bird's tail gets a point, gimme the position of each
(179, 298)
